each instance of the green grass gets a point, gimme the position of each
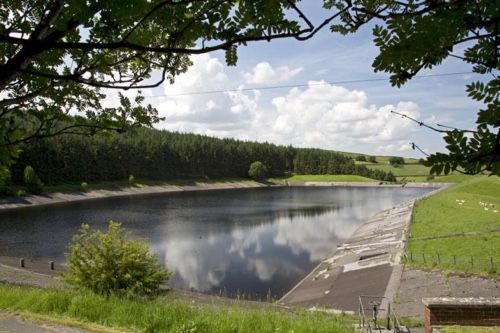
(165, 314)
(406, 170)
(453, 178)
(456, 213)
(330, 178)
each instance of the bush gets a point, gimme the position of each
(361, 158)
(84, 186)
(131, 179)
(396, 161)
(372, 159)
(389, 177)
(257, 171)
(31, 181)
(113, 264)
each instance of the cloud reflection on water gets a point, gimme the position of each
(249, 240)
(263, 251)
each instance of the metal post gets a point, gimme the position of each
(389, 316)
(375, 306)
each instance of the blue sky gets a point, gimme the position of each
(321, 93)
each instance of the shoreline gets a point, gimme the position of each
(60, 197)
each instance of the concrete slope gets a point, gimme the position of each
(367, 264)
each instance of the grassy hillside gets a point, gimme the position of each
(330, 178)
(407, 170)
(459, 228)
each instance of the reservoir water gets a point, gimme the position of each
(253, 241)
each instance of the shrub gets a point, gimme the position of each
(131, 179)
(257, 171)
(112, 263)
(84, 186)
(389, 177)
(31, 181)
(372, 159)
(361, 158)
(396, 161)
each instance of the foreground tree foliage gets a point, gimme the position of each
(416, 34)
(113, 264)
(60, 58)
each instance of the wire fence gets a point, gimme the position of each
(472, 264)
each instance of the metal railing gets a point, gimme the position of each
(375, 307)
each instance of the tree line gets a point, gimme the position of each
(162, 155)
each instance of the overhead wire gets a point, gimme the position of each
(294, 85)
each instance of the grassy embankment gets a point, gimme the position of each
(458, 229)
(330, 178)
(165, 314)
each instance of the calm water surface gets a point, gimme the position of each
(240, 240)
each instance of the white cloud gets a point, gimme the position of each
(263, 73)
(333, 117)
(320, 115)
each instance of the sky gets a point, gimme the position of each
(321, 93)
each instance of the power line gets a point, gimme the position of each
(295, 85)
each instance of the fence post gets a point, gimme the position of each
(491, 262)
(471, 261)
(439, 258)
(454, 260)
(423, 256)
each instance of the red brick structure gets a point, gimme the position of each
(444, 311)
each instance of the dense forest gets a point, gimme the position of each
(161, 155)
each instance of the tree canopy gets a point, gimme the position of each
(58, 58)
(419, 34)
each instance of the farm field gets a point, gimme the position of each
(458, 229)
